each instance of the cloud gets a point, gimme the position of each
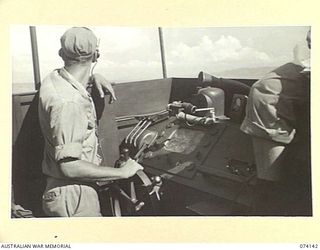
(184, 60)
(225, 52)
(226, 48)
(129, 54)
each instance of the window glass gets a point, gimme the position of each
(126, 54)
(48, 46)
(22, 69)
(236, 52)
(132, 54)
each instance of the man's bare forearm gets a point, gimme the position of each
(86, 171)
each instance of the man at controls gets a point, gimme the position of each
(277, 118)
(68, 123)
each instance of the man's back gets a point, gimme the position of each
(67, 120)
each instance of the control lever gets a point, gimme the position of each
(146, 144)
(212, 114)
(124, 156)
(132, 199)
(177, 106)
(157, 183)
(137, 127)
(137, 204)
(156, 180)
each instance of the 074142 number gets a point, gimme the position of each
(308, 245)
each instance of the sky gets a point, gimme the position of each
(133, 53)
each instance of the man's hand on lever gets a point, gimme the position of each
(130, 168)
(103, 86)
(126, 170)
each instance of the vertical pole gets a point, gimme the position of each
(35, 57)
(163, 58)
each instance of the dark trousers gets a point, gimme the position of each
(291, 196)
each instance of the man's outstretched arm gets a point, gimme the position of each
(86, 171)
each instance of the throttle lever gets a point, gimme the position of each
(124, 156)
(157, 183)
(137, 204)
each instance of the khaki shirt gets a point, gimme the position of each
(274, 102)
(68, 122)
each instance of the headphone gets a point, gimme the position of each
(96, 54)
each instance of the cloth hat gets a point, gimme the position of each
(301, 55)
(78, 44)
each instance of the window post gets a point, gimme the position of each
(163, 58)
(35, 57)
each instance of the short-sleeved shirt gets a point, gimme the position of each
(274, 105)
(68, 122)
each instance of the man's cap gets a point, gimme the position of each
(301, 55)
(78, 44)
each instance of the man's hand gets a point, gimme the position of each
(130, 168)
(103, 86)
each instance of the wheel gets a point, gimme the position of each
(134, 198)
